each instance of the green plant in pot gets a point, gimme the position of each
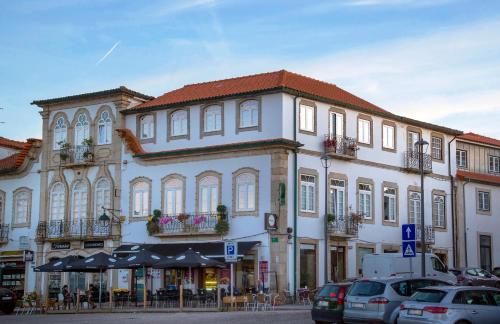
(88, 143)
(222, 212)
(153, 224)
(222, 227)
(330, 218)
(63, 150)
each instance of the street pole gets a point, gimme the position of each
(422, 206)
(325, 160)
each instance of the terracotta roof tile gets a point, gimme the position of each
(5, 142)
(131, 140)
(258, 82)
(480, 139)
(14, 161)
(9, 162)
(481, 177)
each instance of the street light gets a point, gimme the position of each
(326, 162)
(419, 145)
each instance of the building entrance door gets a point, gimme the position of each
(337, 265)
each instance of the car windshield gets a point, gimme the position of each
(367, 288)
(329, 291)
(428, 296)
(478, 272)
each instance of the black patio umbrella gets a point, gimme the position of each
(58, 265)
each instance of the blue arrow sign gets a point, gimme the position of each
(408, 232)
(409, 249)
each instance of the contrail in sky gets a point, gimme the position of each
(107, 54)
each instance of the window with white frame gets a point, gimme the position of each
(438, 210)
(21, 206)
(173, 195)
(364, 131)
(337, 197)
(79, 201)
(412, 139)
(104, 129)
(179, 123)
(415, 214)
(60, 133)
(483, 201)
(245, 190)
(307, 193)
(336, 124)
(82, 129)
(307, 118)
(140, 194)
(462, 159)
(388, 137)
(209, 194)
(147, 126)
(249, 114)
(365, 200)
(213, 118)
(494, 164)
(390, 201)
(57, 202)
(437, 148)
(102, 196)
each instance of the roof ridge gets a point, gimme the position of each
(229, 79)
(317, 80)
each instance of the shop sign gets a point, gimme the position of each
(28, 256)
(274, 240)
(271, 221)
(93, 244)
(61, 245)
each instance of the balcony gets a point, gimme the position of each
(77, 230)
(77, 155)
(344, 226)
(411, 162)
(340, 147)
(4, 233)
(430, 237)
(187, 224)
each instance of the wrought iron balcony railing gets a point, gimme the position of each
(344, 226)
(430, 237)
(78, 229)
(4, 233)
(340, 146)
(182, 224)
(78, 154)
(411, 161)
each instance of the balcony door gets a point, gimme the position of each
(413, 138)
(78, 208)
(336, 124)
(337, 198)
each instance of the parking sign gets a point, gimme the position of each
(231, 251)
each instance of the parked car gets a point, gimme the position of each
(474, 276)
(378, 300)
(328, 304)
(496, 271)
(394, 264)
(7, 300)
(455, 304)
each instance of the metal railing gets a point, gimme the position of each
(78, 229)
(344, 226)
(430, 237)
(411, 161)
(340, 146)
(187, 223)
(4, 233)
(77, 154)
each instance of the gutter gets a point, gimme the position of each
(453, 220)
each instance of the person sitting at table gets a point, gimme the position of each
(90, 295)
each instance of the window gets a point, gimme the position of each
(307, 118)
(249, 114)
(336, 124)
(483, 201)
(104, 129)
(102, 196)
(472, 297)
(337, 194)
(413, 138)
(365, 200)
(21, 206)
(414, 208)
(140, 192)
(60, 133)
(364, 131)
(307, 193)
(209, 194)
(57, 201)
(79, 201)
(147, 127)
(179, 123)
(388, 137)
(173, 196)
(245, 190)
(494, 164)
(462, 159)
(390, 198)
(82, 129)
(485, 251)
(213, 119)
(437, 148)
(438, 211)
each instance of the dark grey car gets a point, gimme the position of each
(474, 276)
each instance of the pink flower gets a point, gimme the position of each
(166, 220)
(199, 219)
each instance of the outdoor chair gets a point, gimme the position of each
(261, 302)
(249, 301)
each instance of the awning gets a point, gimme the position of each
(209, 249)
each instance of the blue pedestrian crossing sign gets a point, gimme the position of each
(408, 232)
(409, 249)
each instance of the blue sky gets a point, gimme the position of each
(438, 61)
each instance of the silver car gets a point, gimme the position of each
(452, 305)
(378, 300)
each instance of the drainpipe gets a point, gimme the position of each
(295, 209)
(465, 222)
(452, 187)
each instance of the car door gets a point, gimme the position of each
(480, 306)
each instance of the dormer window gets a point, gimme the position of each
(60, 133)
(147, 127)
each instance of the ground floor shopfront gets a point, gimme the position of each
(16, 271)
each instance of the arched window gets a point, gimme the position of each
(245, 190)
(173, 197)
(179, 123)
(147, 126)
(414, 208)
(57, 201)
(104, 127)
(141, 199)
(21, 206)
(102, 196)
(79, 201)
(209, 194)
(60, 133)
(249, 113)
(213, 118)
(82, 129)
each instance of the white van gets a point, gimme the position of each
(393, 264)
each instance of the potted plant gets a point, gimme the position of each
(153, 224)
(64, 148)
(330, 218)
(222, 211)
(88, 144)
(222, 227)
(182, 217)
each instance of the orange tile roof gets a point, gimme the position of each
(5, 142)
(481, 177)
(480, 139)
(131, 140)
(14, 161)
(258, 82)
